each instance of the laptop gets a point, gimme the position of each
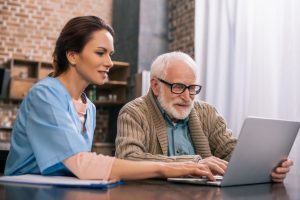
(262, 145)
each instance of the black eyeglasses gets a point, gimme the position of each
(179, 88)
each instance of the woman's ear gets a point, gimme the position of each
(71, 56)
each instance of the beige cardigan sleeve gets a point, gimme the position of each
(220, 137)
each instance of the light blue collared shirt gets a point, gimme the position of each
(48, 130)
(179, 138)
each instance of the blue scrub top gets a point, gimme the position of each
(48, 130)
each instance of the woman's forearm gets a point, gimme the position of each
(87, 165)
(132, 170)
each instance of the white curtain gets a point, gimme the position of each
(249, 57)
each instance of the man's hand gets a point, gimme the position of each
(216, 165)
(279, 173)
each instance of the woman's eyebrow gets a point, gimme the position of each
(103, 48)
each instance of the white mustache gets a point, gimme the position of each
(184, 103)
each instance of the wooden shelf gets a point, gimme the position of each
(25, 79)
(104, 148)
(120, 64)
(103, 144)
(24, 74)
(119, 72)
(113, 85)
(19, 87)
(108, 98)
(116, 83)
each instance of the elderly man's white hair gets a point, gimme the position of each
(161, 63)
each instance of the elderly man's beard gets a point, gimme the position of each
(171, 110)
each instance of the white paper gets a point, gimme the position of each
(53, 180)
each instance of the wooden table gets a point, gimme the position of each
(157, 189)
(163, 190)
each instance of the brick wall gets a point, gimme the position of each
(181, 26)
(29, 28)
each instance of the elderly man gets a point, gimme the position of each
(169, 125)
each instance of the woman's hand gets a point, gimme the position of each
(216, 165)
(186, 169)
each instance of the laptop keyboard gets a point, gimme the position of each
(198, 180)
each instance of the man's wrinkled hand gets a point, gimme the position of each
(280, 172)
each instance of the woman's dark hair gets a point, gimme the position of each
(73, 37)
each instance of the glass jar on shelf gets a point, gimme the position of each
(93, 93)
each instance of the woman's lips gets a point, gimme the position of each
(104, 73)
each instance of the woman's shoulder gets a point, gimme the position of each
(49, 83)
(48, 88)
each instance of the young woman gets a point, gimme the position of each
(53, 132)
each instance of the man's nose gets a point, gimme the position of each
(185, 95)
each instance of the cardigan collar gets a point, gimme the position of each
(199, 139)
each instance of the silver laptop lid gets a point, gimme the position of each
(262, 145)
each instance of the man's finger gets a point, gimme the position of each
(278, 176)
(282, 170)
